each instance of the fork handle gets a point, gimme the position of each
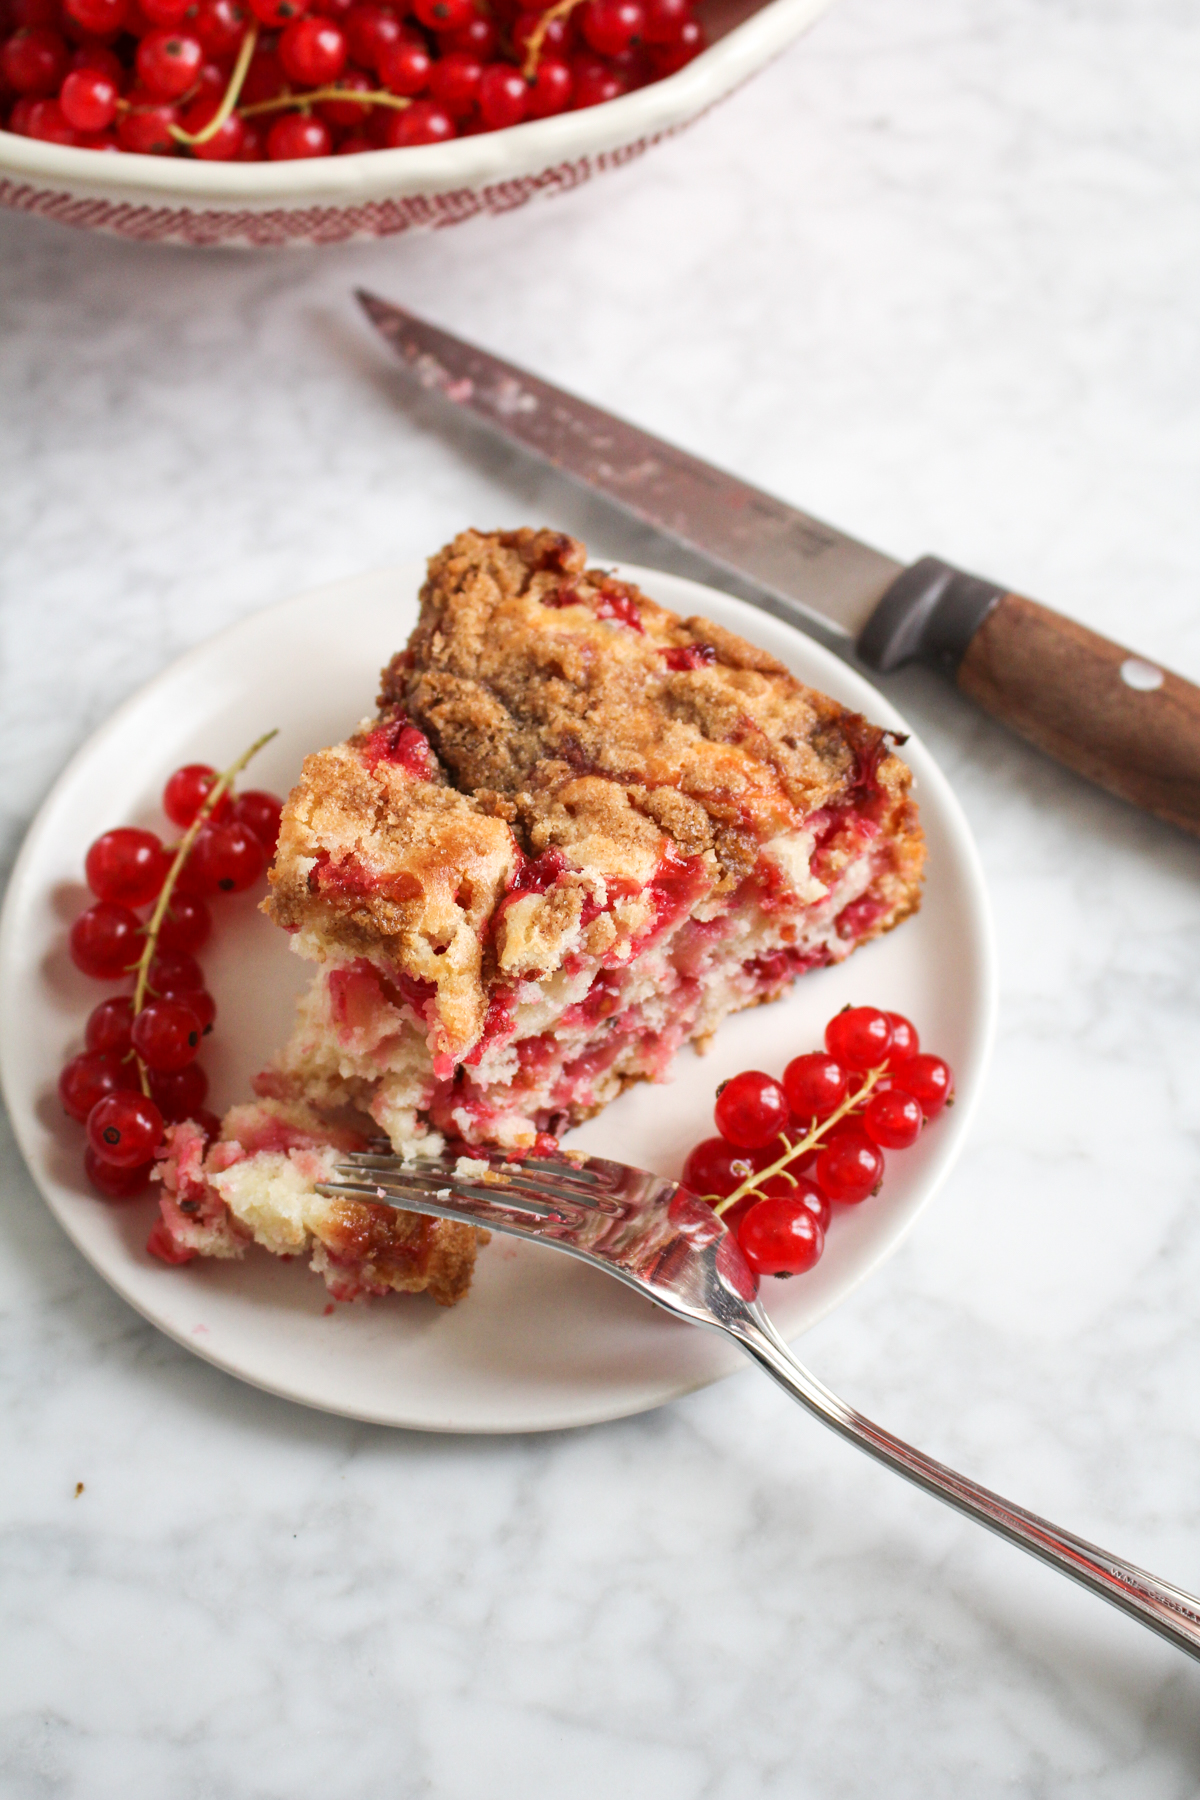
(1174, 1614)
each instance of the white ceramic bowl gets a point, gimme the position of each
(334, 199)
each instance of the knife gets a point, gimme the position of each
(1112, 716)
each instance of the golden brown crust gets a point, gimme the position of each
(550, 707)
(405, 1252)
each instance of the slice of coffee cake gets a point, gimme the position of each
(579, 832)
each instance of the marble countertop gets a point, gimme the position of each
(934, 275)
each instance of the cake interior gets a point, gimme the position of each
(554, 1050)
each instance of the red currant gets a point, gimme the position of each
(550, 90)
(254, 147)
(370, 30)
(780, 1237)
(479, 37)
(34, 60)
(189, 787)
(106, 940)
(788, 1184)
(102, 60)
(732, 1217)
(110, 1024)
(148, 128)
(556, 38)
(197, 999)
(503, 96)
(160, 1243)
(89, 103)
(166, 1034)
(201, 1003)
(278, 12)
(230, 858)
(342, 113)
(113, 1181)
(892, 1119)
(209, 86)
(667, 58)
(815, 1086)
(611, 26)
(859, 1037)
(174, 972)
(849, 1166)
(424, 122)
(905, 1042)
(168, 62)
(99, 17)
(221, 25)
(46, 120)
(404, 68)
(125, 865)
(179, 1093)
(807, 1193)
(265, 80)
(193, 879)
(929, 1080)
(165, 12)
(125, 1129)
(313, 51)
(186, 924)
(289, 140)
(454, 82)
(444, 15)
(223, 145)
(31, 12)
(91, 1077)
(715, 1167)
(664, 20)
(751, 1110)
(593, 82)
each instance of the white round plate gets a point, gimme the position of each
(541, 1342)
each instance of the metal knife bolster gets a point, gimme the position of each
(929, 614)
(1115, 718)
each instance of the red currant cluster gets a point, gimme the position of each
(139, 1071)
(247, 80)
(789, 1149)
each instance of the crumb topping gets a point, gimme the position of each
(556, 761)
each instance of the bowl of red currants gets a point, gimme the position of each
(272, 122)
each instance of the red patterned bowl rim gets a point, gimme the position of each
(490, 172)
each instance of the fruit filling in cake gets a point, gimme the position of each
(578, 832)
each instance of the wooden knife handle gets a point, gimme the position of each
(1115, 717)
(1125, 723)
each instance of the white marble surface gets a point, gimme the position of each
(935, 275)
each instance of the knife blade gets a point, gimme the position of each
(1112, 716)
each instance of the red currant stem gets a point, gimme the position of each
(183, 850)
(849, 1104)
(537, 37)
(229, 98)
(373, 97)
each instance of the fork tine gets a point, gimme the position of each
(554, 1180)
(533, 1223)
(401, 1191)
(562, 1174)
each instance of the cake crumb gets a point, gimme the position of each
(471, 1167)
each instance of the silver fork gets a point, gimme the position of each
(665, 1243)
